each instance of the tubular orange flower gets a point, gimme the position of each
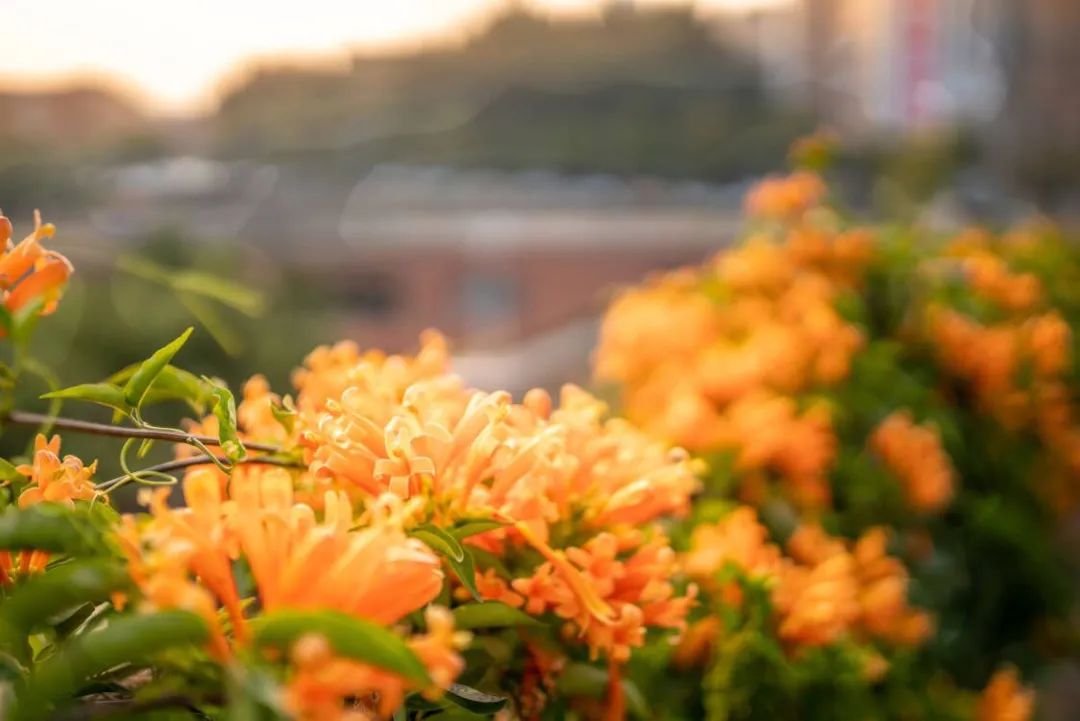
(296, 560)
(785, 197)
(636, 588)
(320, 683)
(737, 539)
(52, 480)
(835, 590)
(28, 272)
(915, 455)
(1005, 699)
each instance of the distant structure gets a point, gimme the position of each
(872, 69)
(514, 266)
(868, 67)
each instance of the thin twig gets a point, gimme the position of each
(103, 709)
(202, 460)
(28, 418)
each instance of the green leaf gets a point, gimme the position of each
(134, 640)
(55, 528)
(440, 541)
(473, 700)
(104, 394)
(582, 679)
(246, 300)
(44, 596)
(491, 614)
(205, 312)
(253, 695)
(7, 471)
(285, 413)
(225, 412)
(472, 526)
(148, 371)
(172, 384)
(349, 636)
(465, 570)
(25, 319)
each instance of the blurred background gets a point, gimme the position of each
(367, 169)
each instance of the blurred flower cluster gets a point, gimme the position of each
(887, 416)
(879, 440)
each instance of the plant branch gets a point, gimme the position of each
(91, 710)
(201, 460)
(27, 418)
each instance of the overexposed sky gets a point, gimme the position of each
(174, 54)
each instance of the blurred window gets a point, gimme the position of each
(489, 298)
(374, 294)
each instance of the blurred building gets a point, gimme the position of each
(514, 266)
(873, 66)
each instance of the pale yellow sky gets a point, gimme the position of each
(174, 54)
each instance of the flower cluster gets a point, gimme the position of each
(751, 329)
(915, 455)
(822, 590)
(1005, 699)
(385, 533)
(873, 382)
(997, 335)
(31, 277)
(570, 496)
(50, 480)
(185, 557)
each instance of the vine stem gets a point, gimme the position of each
(28, 418)
(201, 460)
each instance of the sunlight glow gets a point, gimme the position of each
(175, 56)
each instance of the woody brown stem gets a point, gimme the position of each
(28, 418)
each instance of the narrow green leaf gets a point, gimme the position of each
(285, 413)
(472, 526)
(491, 614)
(219, 329)
(349, 636)
(148, 371)
(5, 320)
(134, 640)
(473, 700)
(225, 412)
(104, 394)
(60, 589)
(172, 384)
(465, 570)
(25, 319)
(7, 471)
(246, 300)
(440, 541)
(582, 679)
(55, 528)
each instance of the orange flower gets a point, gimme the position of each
(1005, 699)
(991, 278)
(737, 539)
(637, 588)
(833, 590)
(53, 480)
(296, 560)
(915, 455)
(883, 593)
(819, 603)
(28, 272)
(785, 197)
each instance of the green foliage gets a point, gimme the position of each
(350, 637)
(490, 614)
